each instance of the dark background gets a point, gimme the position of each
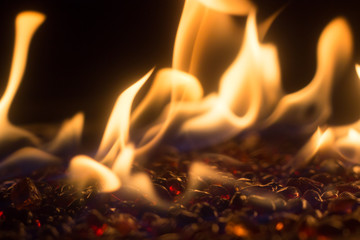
(87, 52)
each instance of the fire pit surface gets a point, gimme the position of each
(319, 201)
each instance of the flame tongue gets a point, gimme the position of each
(252, 82)
(338, 140)
(249, 89)
(117, 131)
(26, 25)
(311, 105)
(14, 141)
(169, 97)
(84, 169)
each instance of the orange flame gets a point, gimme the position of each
(249, 90)
(249, 96)
(68, 136)
(12, 137)
(117, 130)
(307, 106)
(87, 169)
(237, 7)
(342, 141)
(25, 26)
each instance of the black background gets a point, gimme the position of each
(87, 52)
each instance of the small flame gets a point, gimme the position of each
(26, 24)
(68, 136)
(169, 97)
(341, 141)
(319, 141)
(114, 149)
(14, 141)
(307, 106)
(117, 130)
(84, 168)
(123, 162)
(253, 80)
(349, 147)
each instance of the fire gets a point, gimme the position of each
(26, 24)
(178, 110)
(229, 6)
(87, 169)
(321, 140)
(248, 91)
(343, 141)
(307, 106)
(357, 67)
(250, 96)
(177, 98)
(22, 150)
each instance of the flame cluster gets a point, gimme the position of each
(176, 109)
(249, 96)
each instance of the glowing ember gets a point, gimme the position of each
(38, 223)
(227, 197)
(237, 230)
(99, 231)
(174, 190)
(279, 226)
